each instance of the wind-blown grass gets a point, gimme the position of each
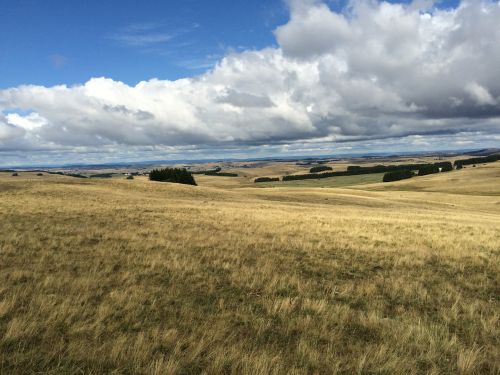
(115, 276)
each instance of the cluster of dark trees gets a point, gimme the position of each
(320, 168)
(310, 162)
(68, 174)
(175, 175)
(423, 170)
(266, 179)
(358, 170)
(487, 159)
(223, 174)
(102, 175)
(402, 174)
(351, 171)
(77, 175)
(428, 169)
(216, 172)
(445, 166)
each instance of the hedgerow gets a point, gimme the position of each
(320, 168)
(266, 179)
(487, 159)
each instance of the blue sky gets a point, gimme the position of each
(60, 41)
(49, 42)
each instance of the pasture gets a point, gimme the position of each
(360, 277)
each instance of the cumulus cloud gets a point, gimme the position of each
(374, 71)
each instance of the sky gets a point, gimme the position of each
(104, 81)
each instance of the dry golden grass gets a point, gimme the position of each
(137, 277)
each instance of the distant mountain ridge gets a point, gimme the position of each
(366, 155)
(485, 152)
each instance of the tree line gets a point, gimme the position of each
(422, 168)
(320, 168)
(266, 179)
(216, 172)
(478, 160)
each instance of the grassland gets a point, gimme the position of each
(137, 277)
(340, 181)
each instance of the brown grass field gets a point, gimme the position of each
(137, 277)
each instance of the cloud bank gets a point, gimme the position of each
(375, 71)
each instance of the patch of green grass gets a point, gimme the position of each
(332, 182)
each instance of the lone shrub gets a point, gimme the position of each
(175, 175)
(39, 174)
(397, 175)
(320, 168)
(15, 174)
(130, 177)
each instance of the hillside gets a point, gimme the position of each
(134, 276)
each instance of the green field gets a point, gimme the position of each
(332, 182)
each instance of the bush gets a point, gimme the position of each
(39, 174)
(428, 169)
(130, 177)
(15, 174)
(320, 168)
(174, 175)
(266, 179)
(398, 175)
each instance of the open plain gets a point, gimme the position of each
(355, 277)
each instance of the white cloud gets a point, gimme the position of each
(480, 94)
(374, 71)
(29, 122)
